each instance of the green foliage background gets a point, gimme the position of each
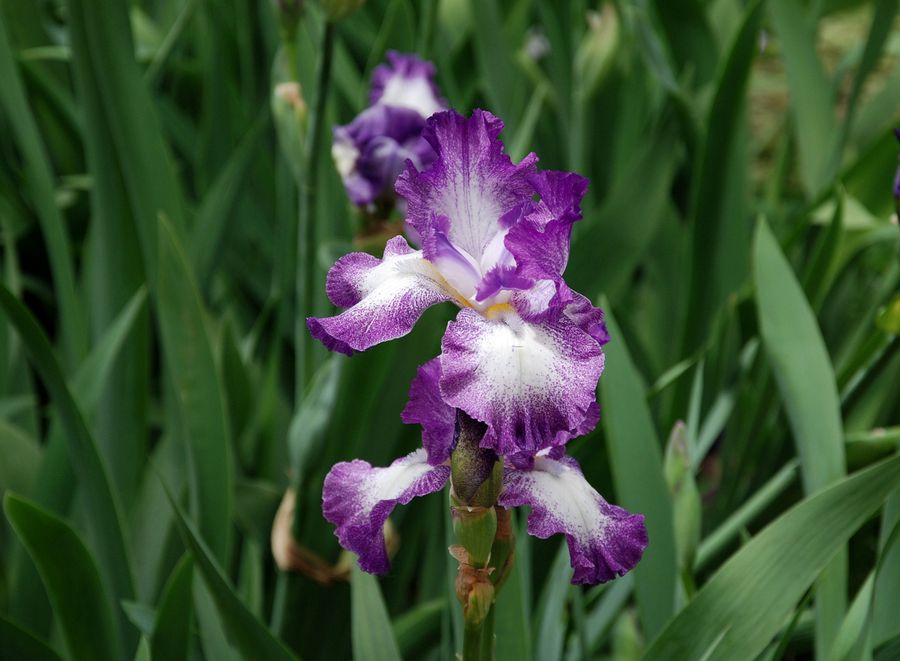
(167, 217)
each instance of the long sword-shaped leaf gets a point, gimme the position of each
(248, 634)
(740, 609)
(812, 102)
(198, 390)
(373, 636)
(22, 644)
(39, 179)
(802, 368)
(102, 508)
(80, 603)
(717, 223)
(636, 462)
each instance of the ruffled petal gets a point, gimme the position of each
(358, 499)
(587, 317)
(532, 384)
(604, 540)
(426, 407)
(385, 296)
(540, 243)
(406, 81)
(472, 182)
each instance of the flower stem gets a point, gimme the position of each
(472, 636)
(487, 636)
(306, 236)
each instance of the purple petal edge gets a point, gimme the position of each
(358, 499)
(605, 541)
(427, 408)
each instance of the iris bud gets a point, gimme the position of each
(476, 475)
(335, 10)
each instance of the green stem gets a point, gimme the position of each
(472, 642)
(487, 636)
(306, 235)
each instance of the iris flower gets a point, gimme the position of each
(523, 355)
(371, 151)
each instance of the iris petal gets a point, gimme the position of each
(604, 540)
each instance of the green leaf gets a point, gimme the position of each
(219, 203)
(17, 643)
(511, 621)
(172, 632)
(102, 508)
(39, 179)
(419, 626)
(637, 469)
(80, 603)
(606, 250)
(118, 106)
(503, 83)
(198, 391)
(21, 458)
(745, 603)
(812, 101)
(885, 626)
(143, 651)
(550, 619)
(373, 637)
(93, 374)
(805, 378)
(718, 217)
(244, 631)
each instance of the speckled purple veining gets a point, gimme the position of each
(358, 499)
(604, 540)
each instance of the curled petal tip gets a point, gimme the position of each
(605, 541)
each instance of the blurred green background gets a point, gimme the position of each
(169, 209)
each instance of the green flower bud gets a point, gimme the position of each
(685, 496)
(597, 49)
(335, 10)
(476, 475)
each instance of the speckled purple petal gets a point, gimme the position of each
(408, 82)
(472, 182)
(426, 407)
(385, 296)
(604, 540)
(532, 384)
(358, 499)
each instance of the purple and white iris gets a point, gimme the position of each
(522, 356)
(371, 151)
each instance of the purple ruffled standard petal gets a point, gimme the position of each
(604, 540)
(426, 407)
(472, 183)
(532, 384)
(540, 240)
(408, 82)
(385, 297)
(372, 150)
(358, 499)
